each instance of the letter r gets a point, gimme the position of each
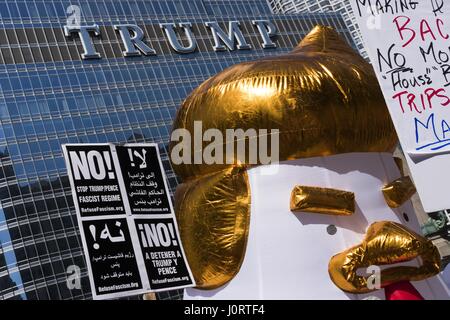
(133, 43)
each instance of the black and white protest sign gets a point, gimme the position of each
(143, 180)
(112, 256)
(126, 218)
(97, 187)
(162, 253)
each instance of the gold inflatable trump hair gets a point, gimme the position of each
(322, 97)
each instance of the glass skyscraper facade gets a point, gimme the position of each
(49, 96)
(343, 7)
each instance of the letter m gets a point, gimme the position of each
(361, 3)
(238, 138)
(429, 125)
(234, 33)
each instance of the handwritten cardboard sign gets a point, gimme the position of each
(409, 47)
(127, 223)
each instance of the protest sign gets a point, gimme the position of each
(409, 47)
(126, 219)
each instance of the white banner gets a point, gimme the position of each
(408, 43)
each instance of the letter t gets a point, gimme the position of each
(86, 41)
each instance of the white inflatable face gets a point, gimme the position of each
(288, 253)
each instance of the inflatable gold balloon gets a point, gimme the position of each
(213, 216)
(399, 191)
(322, 200)
(386, 243)
(322, 97)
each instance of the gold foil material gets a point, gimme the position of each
(322, 97)
(322, 200)
(386, 243)
(213, 215)
(398, 192)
